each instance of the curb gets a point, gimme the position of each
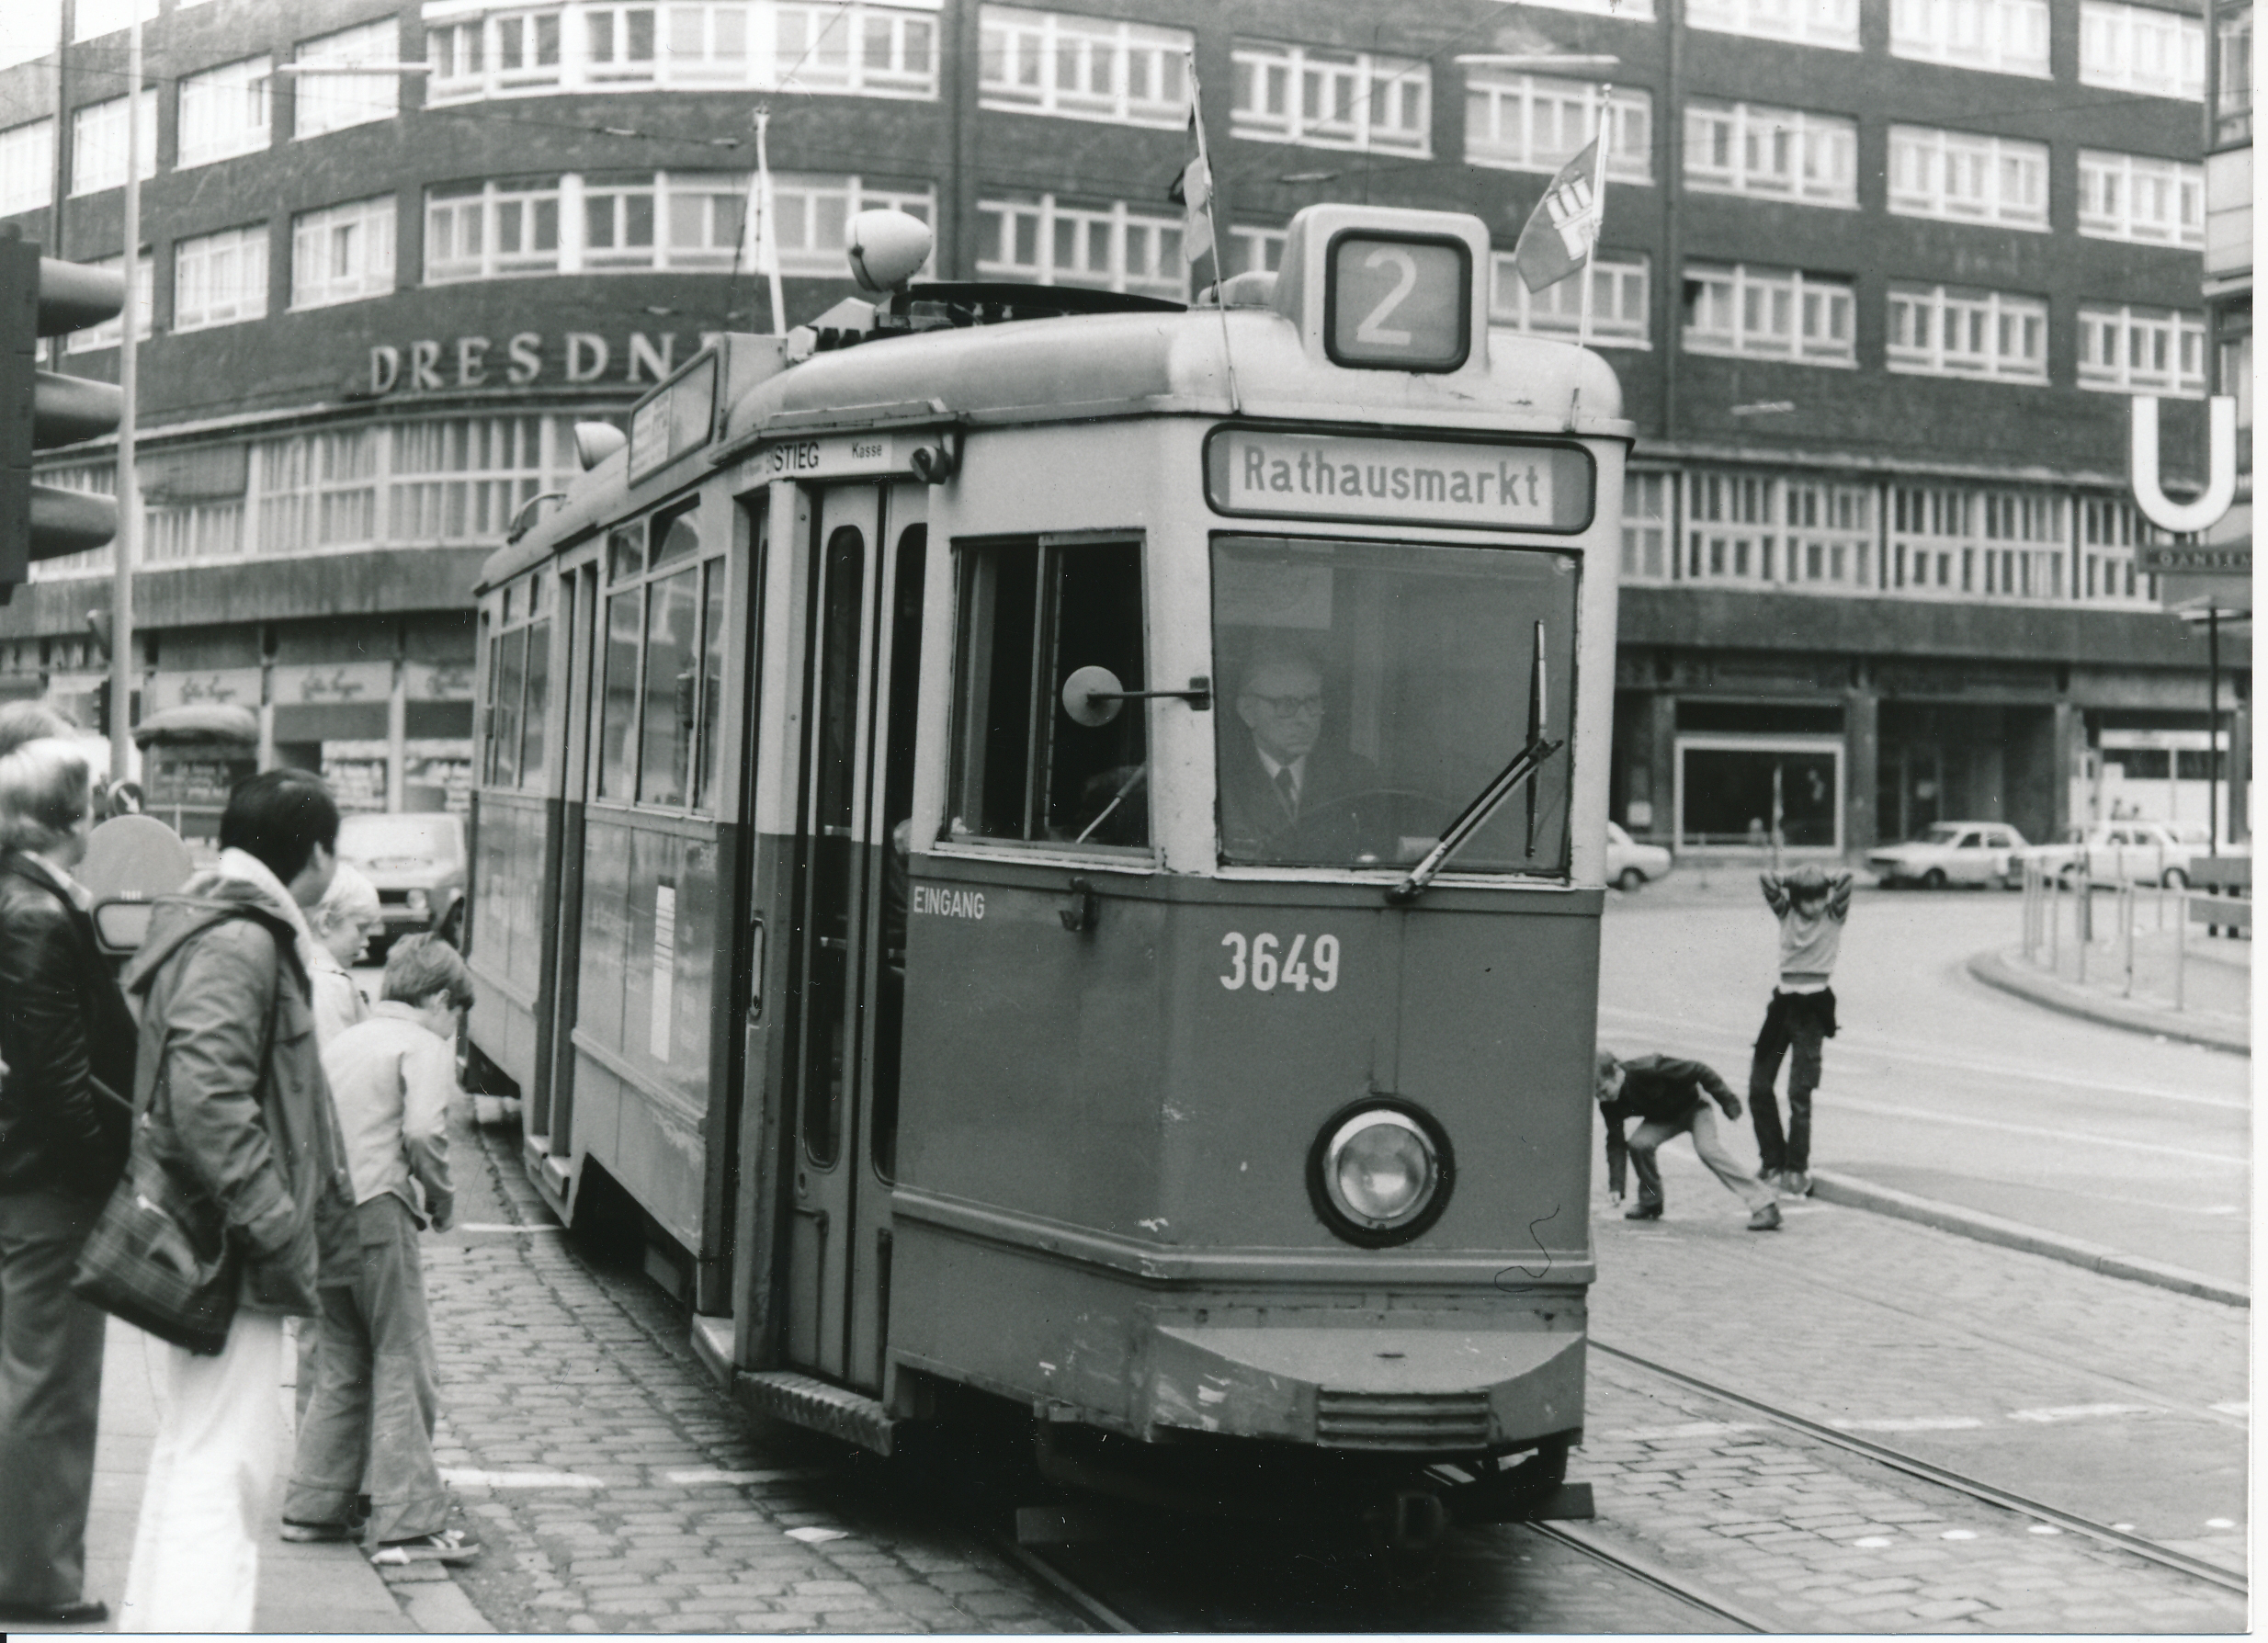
(2011, 975)
(1836, 1188)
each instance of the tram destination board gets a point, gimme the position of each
(1398, 302)
(1490, 484)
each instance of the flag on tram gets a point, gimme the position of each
(1564, 226)
(1193, 192)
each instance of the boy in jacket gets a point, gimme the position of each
(1666, 1096)
(240, 1114)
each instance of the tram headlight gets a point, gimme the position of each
(1380, 1173)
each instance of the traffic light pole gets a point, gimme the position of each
(124, 549)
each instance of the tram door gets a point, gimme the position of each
(866, 573)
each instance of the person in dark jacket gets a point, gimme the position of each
(69, 1043)
(241, 1115)
(1670, 1098)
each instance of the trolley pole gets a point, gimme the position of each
(123, 547)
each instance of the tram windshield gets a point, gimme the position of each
(1370, 690)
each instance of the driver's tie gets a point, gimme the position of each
(1288, 790)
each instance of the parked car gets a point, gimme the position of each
(2119, 852)
(1953, 853)
(1630, 864)
(417, 862)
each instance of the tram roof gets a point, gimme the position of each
(1096, 367)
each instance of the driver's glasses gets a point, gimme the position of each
(1290, 707)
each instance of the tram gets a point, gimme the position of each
(1051, 844)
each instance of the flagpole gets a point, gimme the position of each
(1213, 226)
(1598, 208)
(765, 245)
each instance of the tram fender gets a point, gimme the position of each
(1451, 1390)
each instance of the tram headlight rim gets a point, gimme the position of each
(1347, 1221)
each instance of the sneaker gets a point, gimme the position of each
(443, 1545)
(1766, 1220)
(1797, 1183)
(302, 1534)
(1643, 1212)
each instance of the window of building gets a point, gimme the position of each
(2109, 531)
(2005, 37)
(1808, 22)
(2234, 378)
(1947, 542)
(814, 215)
(479, 230)
(26, 167)
(31, 37)
(2138, 48)
(652, 704)
(1787, 313)
(332, 102)
(1084, 68)
(1968, 178)
(107, 334)
(342, 252)
(224, 112)
(1526, 122)
(1646, 526)
(806, 45)
(98, 144)
(2232, 96)
(1728, 521)
(461, 478)
(93, 18)
(1621, 303)
(1831, 536)
(2135, 197)
(220, 279)
(1785, 153)
(1113, 247)
(2141, 350)
(1255, 250)
(1785, 531)
(1331, 99)
(1945, 332)
(1639, 11)
(317, 489)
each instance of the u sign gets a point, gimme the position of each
(1399, 302)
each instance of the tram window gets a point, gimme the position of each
(619, 706)
(1372, 689)
(1023, 768)
(676, 537)
(505, 714)
(712, 684)
(534, 714)
(626, 553)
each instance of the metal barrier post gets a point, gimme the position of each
(2127, 895)
(2180, 953)
(2055, 925)
(2084, 919)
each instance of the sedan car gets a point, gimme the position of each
(1630, 864)
(2144, 852)
(417, 862)
(1952, 853)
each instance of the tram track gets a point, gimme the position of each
(1977, 1488)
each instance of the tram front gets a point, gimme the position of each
(1252, 969)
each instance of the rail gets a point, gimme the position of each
(2065, 906)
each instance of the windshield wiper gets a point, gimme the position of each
(1520, 773)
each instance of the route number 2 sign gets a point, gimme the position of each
(1399, 303)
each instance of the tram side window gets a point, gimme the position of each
(519, 672)
(1024, 769)
(663, 671)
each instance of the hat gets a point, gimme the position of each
(1810, 879)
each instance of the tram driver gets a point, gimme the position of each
(1287, 794)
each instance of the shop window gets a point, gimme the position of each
(1757, 792)
(1023, 768)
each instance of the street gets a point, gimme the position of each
(1942, 1087)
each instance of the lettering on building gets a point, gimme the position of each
(437, 365)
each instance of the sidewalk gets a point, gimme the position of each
(302, 1588)
(2214, 980)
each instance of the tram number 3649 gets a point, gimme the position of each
(1264, 963)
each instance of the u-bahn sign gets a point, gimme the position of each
(2216, 559)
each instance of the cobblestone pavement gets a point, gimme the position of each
(616, 1489)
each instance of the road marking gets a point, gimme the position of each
(811, 1536)
(2220, 1523)
(766, 1475)
(466, 1478)
(2241, 1406)
(1878, 1110)
(1691, 1429)
(2079, 1411)
(2045, 1529)
(1872, 1542)
(1861, 1043)
(1909, 1423)
(1958, 1535)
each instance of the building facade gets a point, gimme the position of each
(1877, 275)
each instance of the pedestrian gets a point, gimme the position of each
(64, 1125)
(33, 722)
(1671, 1098)
(1811, 908)
(342, 925)
(246, 1126)
(370, 1428)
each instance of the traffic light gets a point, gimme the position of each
(102, 709)
(42, 297)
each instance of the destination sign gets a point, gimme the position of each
(1486, 484)
(675, 418)
(2167, 559)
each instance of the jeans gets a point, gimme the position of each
(1701, 1124)
(51, 1388)
(196, 1566)
(1800, 1021)
(369, 1425)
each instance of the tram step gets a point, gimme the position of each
(805, 1400)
